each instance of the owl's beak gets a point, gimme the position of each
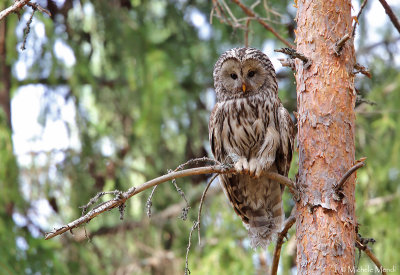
(243, 88)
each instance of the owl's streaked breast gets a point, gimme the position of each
(243, 123)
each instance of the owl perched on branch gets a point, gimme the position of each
(250, 127)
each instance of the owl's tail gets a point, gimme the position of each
(266, 222)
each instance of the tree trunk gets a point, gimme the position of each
(326, 97)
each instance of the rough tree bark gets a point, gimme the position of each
(325, 98)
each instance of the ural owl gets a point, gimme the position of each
(250, 127)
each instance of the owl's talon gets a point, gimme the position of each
(255, 168)
(242, 166)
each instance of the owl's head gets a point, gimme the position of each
(243, 72)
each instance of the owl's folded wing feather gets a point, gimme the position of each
(287, 133)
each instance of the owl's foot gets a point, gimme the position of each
(255, 168)
(242, 166)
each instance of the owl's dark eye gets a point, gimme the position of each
(234, 76)
(251, 73)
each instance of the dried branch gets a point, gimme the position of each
(18, 5)
(251, 13)
(279, 242)
(187, 271)
(201, 205)
(361, 69)
(246, 33)
(27, 29)
(338, 47)
(391, 15)
(96, 198)
(121, 198)
(36, 6)
(185, 209)
(292, 55)
(339, 186)
(360, 100)
(197, 161)
(149, 202)
(364, 3)
(370, 254)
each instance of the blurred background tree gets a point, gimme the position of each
(109, 94)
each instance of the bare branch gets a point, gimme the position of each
(39, 8)
(339, 44)
(149, 203)
(18, 5)
(370, 254)
(293, 54)
(348, 174)
(124, 196)
(361, 69)
(391, 15)
(364, 3)
(187, 271)
(251, 13)
(28, 29)
(338, 47)
(201, 205)
(246, 33)
(185, 209)
(279, 242)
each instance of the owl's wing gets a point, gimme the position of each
(214, 131)
(287, 133)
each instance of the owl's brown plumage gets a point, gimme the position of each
(250, 126)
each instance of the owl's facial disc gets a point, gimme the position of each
(242, 77)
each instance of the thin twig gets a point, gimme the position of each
(39, 8)
(360, 100)
(149, 202)
(370, 254)
(250, 13)
(197, 161)
(229, 11)
(246, 33)
(292, 55)
(201, 205)
(185, 209)
(364, 3)
(361, 69)
(356, 166)
(279, 242)
(187, 271)
(123, 197)
(338, 47)
(391, 15)
(28, 28)
(96, 198)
